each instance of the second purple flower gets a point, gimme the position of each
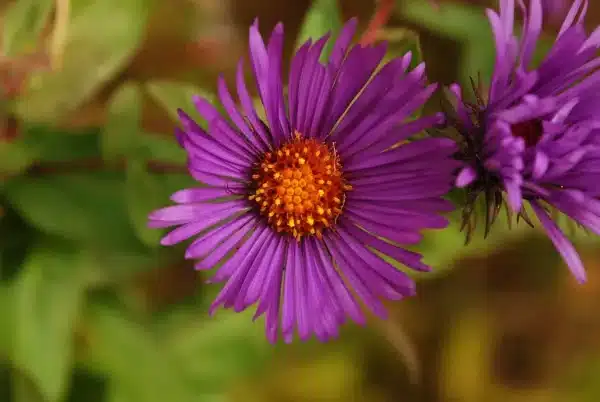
(535, 137)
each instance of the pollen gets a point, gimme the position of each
(299, 188)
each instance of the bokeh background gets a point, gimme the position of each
(93, 310)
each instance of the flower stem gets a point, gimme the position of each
(382, 14)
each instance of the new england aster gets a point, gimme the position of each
(554, 9)
(537, 138)
(297, 207)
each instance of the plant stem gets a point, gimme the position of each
(382, 14)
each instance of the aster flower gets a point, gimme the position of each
(536, 137)
(554, 9)
(301, 208)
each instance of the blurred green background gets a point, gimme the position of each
(92, 309)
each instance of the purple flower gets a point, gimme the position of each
(537, 137)
(296, 207)
(554, 9)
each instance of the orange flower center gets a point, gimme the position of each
(299, 187)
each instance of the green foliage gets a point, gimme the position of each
(122, 129)
(6, 320)
(123, 138)
(227, 346)
(85, 208)
(402, 41)
(469, 27)
(23, 388)
(464, 24)
(162, 148)
(173, 95)
(43, 144)
(47, 297)
(102, 37)
(90, 192)
(23, 24)
(143, 194)
(324, 16)
(15, 157)
(186, 358)
(139, 367)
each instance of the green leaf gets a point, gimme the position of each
(173, 95)
(118, 267)
(86, 387)
(175, 182)
(86, 208)
(458, 22)
(6, 320)
(102, 38)
(51, 145)
(42, 144)
(117, 394)
(402, 41)
(23, 24)
(215, 351)
(6, 393)
(23, 388)
(16, 238)
(160, 148)
(323, 16)
(15, 157)
(144, 194)
(47, 298)
(139, 366)
(120, 137)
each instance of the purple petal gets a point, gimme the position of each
(179, 214)
(201, 247)
(467, 175)
(200, 194)
(562, 244)
(336, 283)
(342, 43)
(238, 267)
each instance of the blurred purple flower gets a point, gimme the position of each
(554, 9)
(295, 206)
(537, 137)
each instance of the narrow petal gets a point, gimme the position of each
(562, 244)
(201, 194)
(360, 285)
(201, 247)
(188, 230)
(238, 267)
(467, 175)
